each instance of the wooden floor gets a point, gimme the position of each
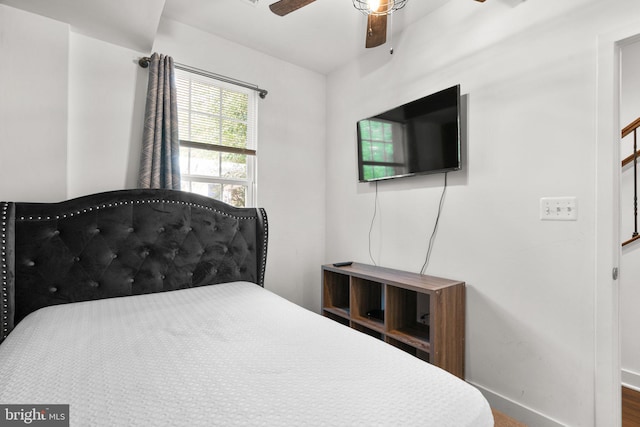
(630, 408)
(630, 412)
(501, 420)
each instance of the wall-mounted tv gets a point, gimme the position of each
(420, 137)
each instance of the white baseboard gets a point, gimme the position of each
(630, 379)
(515, 410)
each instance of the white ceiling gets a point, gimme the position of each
(130, 23)
(320, 36)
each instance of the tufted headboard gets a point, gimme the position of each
(122, 243)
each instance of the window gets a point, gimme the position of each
(382, 145)
(217, 126)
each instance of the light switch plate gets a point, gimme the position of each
(559, 208)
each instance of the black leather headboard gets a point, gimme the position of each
(122, 243)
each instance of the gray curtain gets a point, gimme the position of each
(160, 159)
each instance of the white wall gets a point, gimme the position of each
(630, 261)
(528, 75)
(291, 152)
(33, 106)
(71, 111)
(107, 93)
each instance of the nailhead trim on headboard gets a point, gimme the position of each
(133, 202)
(5, 284)
(265, 239)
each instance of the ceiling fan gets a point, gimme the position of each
(376, 15)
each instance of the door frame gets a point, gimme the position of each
(607, 379)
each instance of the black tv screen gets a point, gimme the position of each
(420, 137)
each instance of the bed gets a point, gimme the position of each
(148, 308)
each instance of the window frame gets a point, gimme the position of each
(188, 179)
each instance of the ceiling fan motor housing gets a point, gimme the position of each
(379, 7)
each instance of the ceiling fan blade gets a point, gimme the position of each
(284, 7)
(376, 30)
(481, 1)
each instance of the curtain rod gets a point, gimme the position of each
(144, 63)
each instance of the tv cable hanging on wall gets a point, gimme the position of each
(435, 226)
(375, 211)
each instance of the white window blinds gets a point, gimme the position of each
(217, 125)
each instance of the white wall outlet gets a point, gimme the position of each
(559, 208)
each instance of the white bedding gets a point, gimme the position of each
(231, 354)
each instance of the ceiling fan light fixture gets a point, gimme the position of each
(379, 7)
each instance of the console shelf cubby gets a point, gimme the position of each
(421, 315)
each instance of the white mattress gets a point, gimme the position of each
(231, 354)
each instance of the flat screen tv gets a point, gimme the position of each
(420, 137)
